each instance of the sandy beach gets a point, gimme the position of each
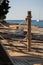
(12, 28)
(17, 48)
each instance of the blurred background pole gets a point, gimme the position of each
(28, 19)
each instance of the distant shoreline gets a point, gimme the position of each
(23, 22)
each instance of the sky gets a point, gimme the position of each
(19, 8)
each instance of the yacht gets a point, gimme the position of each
(38, 20)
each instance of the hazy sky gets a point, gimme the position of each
(19, 9)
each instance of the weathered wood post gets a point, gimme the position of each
(28, 19)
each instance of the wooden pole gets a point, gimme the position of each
(28, 19)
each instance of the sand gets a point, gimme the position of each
(18, 49)
(12, 28)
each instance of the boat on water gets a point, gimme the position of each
(38, 20)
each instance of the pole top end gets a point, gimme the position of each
(29, 14)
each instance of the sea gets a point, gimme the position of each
(33, 22)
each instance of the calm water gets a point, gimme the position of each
(33, 22)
